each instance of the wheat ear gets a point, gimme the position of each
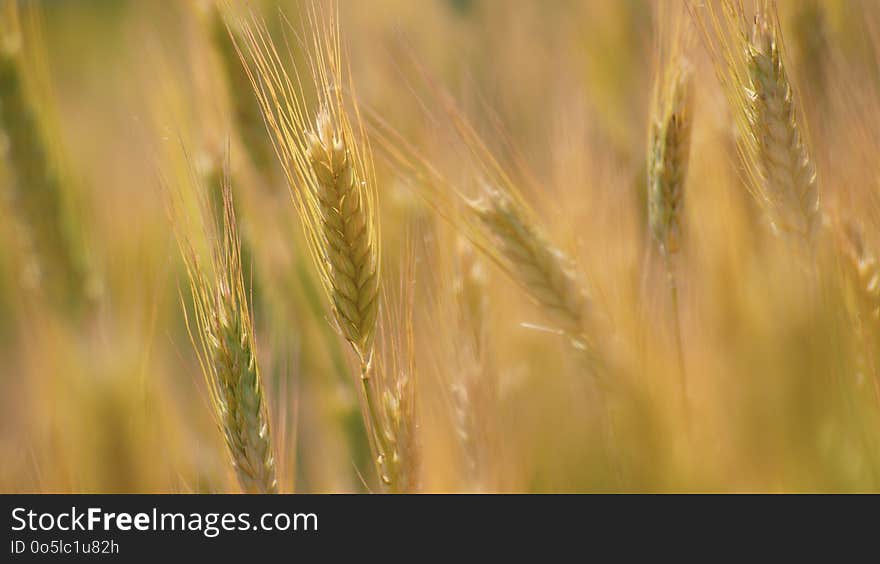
(351, 259)
(786, 168)
(772, 141)
(397, 431)
(224, 338)
(668, 156)
(542, 270)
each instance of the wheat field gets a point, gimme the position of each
(431, 246)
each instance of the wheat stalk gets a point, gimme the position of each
(224, 339)
(669, 146)
(329, 171)
(772, 141)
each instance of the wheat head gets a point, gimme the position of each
(542, 270)
(668, 155)
(772, 143)
(224, 337)
(352, 264)
(786, 168)
(328, 168)
(328, 165)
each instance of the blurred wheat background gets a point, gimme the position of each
(518, 246)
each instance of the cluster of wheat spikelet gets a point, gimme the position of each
(465, 380)
(224, 337)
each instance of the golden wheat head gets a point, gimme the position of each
(750, 62)
(328, 165)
